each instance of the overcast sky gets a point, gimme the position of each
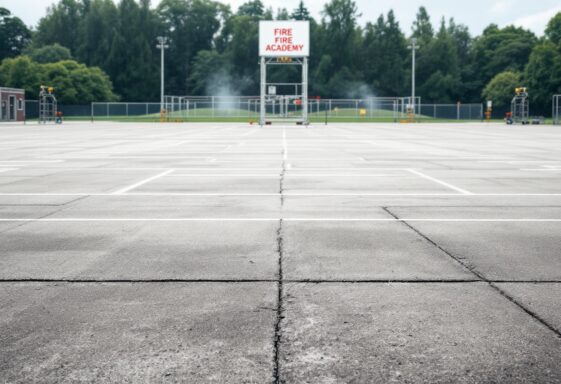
(477, 14)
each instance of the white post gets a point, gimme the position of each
(162, 46)
(413, 48)
(263, 109)
(305, 91)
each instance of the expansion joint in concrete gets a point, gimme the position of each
(480, 276)
(280, 307)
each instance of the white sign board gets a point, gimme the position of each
(284, 38)
(272, 90)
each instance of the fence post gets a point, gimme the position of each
(458, 110)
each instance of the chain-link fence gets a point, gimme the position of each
(78, 112)
(248, 109)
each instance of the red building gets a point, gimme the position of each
(12, 104)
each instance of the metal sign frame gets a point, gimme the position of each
(303, 96)
(291, 33)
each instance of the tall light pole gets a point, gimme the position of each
(413, 47)
(162, 45)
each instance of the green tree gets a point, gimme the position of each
(191, 26)
(74, 82)
(499, 50)
(14, 35)
(49, 54)
(301, 12)
(210, 75)
(341, 39)
(282, 14)
(252, 8)
(543, 72)
(439, 70)
(422, 27)
(385, 56)
(21, 72)
(243, 53)
(96, 33)
(469, 91)
(61, 24)
(500, 89)
(553, 30)
(132, 62)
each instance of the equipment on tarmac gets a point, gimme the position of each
(519, 108)
(47, 105)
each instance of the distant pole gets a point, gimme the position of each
(162, 45)
(413, 48)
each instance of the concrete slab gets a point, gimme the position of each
(130, 206)
(542, 299)
(387, 182)
(140, 251)
(317, 207)
(412, 333)
(499, 250)
(452, 332)
(363, 251)
(165, 333)
(72, 182)
(213, 184)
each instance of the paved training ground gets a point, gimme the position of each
(233, 253)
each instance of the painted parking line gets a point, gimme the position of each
(288, 194)
(275, 219)
(443, 183)
(142, 182)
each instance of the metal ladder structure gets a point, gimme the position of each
(47, 105)
(520, 107)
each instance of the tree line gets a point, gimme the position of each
(214, 50)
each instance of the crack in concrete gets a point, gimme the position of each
(62, 208)
(480, 275)
(280, 284)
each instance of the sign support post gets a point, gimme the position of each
(284, 43)
(263, 106)
(305, 91)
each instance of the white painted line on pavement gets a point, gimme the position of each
(276, 175)
(542, 170)
(140, 183)
(269, 219)
(249, 133)
(30, 161)
(443, 183)
(226, 194)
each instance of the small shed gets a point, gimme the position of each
(12, 104)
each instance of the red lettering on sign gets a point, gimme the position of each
(283, 31)
(284, 47)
